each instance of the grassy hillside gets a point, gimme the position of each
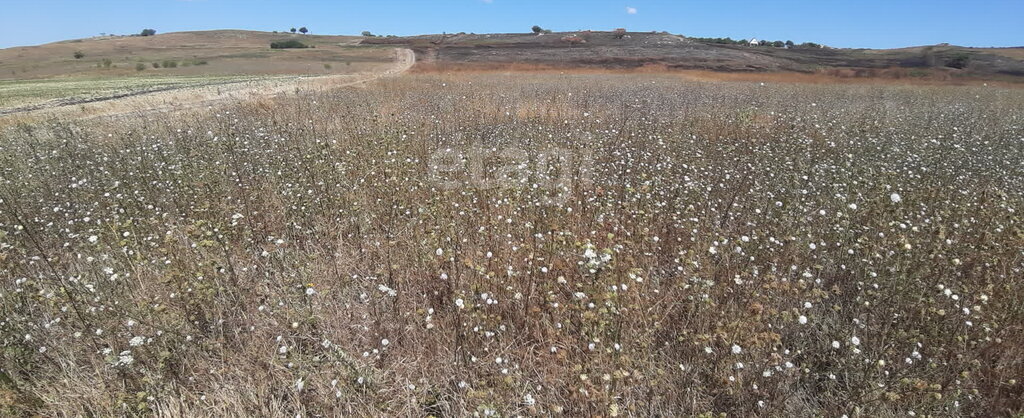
(217, 53)
(95, 69)
(592, 49)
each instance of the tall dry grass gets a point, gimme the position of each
(778, 250)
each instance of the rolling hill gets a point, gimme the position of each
(100, 69)
(592, 49)
(206, 53)
(88, 70)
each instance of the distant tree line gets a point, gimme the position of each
(776, 44)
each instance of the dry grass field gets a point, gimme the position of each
(522, 245)
(205, 53)
(51, 76)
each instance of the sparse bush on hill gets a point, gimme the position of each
(140, 66)
(726, 41)
(79, 55)
(148, 32)
(156, 64)
(303, 30)
(290, 43)
(539, 30)
(368, 34)
(959, 61)
(293, 30)
(170, 64)
(106, 63)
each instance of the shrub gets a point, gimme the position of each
(79, 55)
(156, 65)
(148, 32)
(303, 30)
(619, 33)
(291, 43)
(170, 64)
(140, 66)
(959, 61)
(107, 62)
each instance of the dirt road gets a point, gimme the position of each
(185, 98)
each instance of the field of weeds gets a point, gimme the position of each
(589, 245)
(25, 94)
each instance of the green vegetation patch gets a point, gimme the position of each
(289, 44)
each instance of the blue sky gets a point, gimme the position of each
(863, 23)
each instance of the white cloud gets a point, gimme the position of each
(631, 10)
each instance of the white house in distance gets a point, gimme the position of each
(754, 42)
